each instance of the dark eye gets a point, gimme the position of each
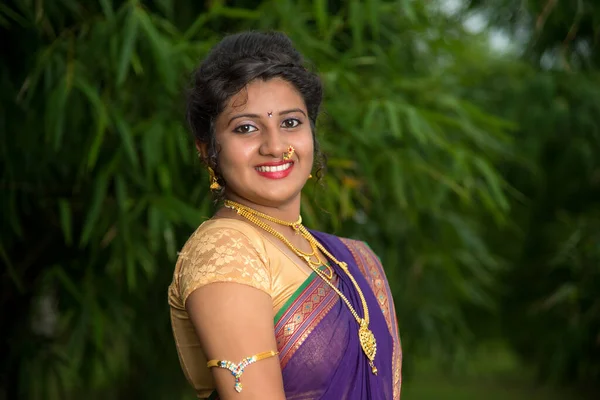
(290, 123)
(245, 129)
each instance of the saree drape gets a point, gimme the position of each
(317, 336)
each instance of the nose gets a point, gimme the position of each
(273, 143)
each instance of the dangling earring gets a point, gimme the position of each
(214, 183)
(309, 176)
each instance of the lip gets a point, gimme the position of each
(275, 174)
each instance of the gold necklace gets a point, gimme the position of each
(365, 336)
(251, 215)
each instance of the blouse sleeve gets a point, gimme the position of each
(221, 255)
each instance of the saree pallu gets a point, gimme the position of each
(317, 336)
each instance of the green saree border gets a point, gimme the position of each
(294, 297)
(296, 294)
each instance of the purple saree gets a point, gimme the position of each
(317, 336)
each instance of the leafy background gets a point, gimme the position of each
(463, 141)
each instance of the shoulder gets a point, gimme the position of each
(214, 229)
(223, 232)
(221, 250)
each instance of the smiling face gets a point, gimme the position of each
(254, 132)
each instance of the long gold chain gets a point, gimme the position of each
(366, 337)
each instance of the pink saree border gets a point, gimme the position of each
(371, 267)
(302, 316)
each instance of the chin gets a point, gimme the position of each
(273, 198)
(276, 199)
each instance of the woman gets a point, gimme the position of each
(261, 307)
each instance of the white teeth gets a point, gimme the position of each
(277, 168)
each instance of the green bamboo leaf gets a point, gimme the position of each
(238, 13)
(356, 24)
(136, 64)
(336, 24)
(127, 49)
(154, 226)
(393, 119)
(107, 9)
(160, 50)
(408, 10)
(121, 194)
(308, 212)
(126, 137)
(493, 180)
(130, 269)
(98, 197)
(13, 15)
(152, 150)
(68, 283)
(415, 125)
(488, 201)
(59, 127)
(185, 146)
(55, 113)
(442, 178)
(164, 177)
(166, 6)
(567, 293)
(65, 220)
(101, 118)
(373, 16)
(179, 211)
(196, 26)
(321, 15)
(169, 236)
(397, 181)
(346, 207)
(146, 261)
(368, 120)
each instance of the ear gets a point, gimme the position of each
(202, 150)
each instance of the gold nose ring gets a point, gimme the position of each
(289, 153)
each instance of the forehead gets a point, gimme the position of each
(265, 96)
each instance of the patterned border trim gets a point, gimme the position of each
(301, 318)
(371, 267)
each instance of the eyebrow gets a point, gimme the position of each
(284, 112)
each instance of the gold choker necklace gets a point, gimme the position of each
(366, 337)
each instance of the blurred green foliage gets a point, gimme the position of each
(472, 172)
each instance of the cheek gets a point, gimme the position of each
(308, 148)
(235, 153)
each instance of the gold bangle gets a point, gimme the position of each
(238, 369)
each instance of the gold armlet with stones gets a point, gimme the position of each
(238, 369)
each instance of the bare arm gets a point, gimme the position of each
(235, 321)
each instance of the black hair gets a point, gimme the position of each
(230, 66)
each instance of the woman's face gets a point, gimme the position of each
(256, 128)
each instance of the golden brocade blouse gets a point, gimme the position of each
(225, 250)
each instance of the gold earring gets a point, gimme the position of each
(214, 183)
(289, 153)
(309, 176)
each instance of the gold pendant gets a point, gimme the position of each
(368, 344)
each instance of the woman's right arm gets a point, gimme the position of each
(234, 321)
